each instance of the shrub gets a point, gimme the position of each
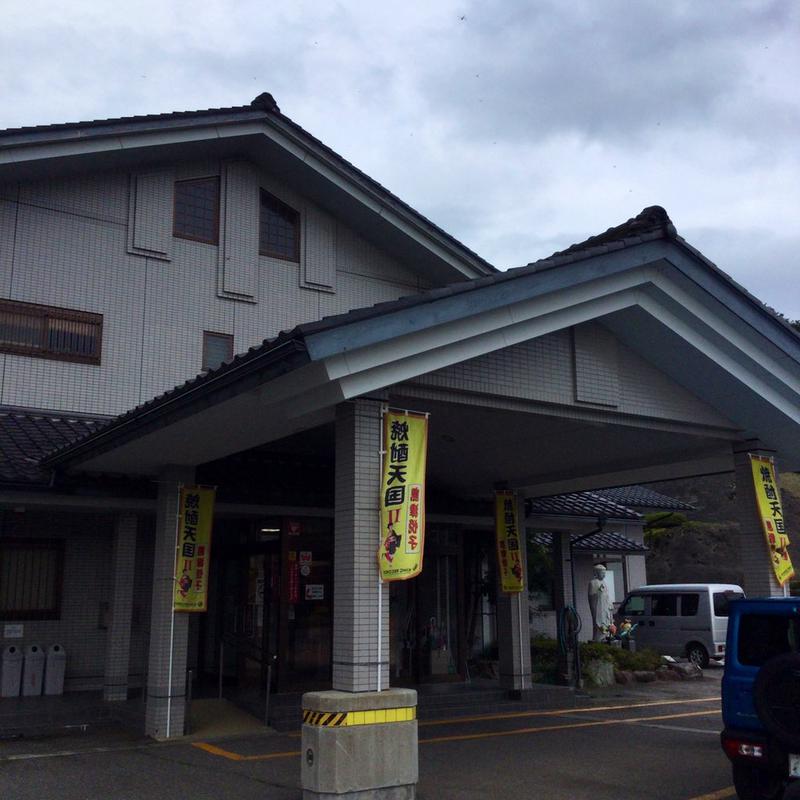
(640, 660)
(596, 651)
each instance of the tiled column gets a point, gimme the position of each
(166, 705)
(118, 637)
(759, 579)
(513, 624)
(356, 656)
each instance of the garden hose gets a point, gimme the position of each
(569, 626)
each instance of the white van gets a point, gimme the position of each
(681, 619)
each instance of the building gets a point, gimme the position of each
(138, 255)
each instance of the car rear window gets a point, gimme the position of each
(763, 636)
(722, 602)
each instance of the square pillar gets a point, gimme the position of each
(759, 579)
(513, 622)
(169, 632)
(356, 654)
(118, 637)
(359, 741)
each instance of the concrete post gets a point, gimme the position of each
(118, 636)
(759, 579)
(166, 705)
(357, 530)
(513, 623)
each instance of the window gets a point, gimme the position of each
(690, 603)
(722, 602)
(30, 578)
(763, 636)
(197, 210)
(279, 229)
(541, 576)
(665, 605)
(217, 349)
(49, 332)
(633, 606)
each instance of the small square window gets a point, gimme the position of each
(31, 572)
(217, 349)
(197, 210)
(279, 229)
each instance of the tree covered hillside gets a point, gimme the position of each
(700, 545)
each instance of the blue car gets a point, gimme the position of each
(761, 698)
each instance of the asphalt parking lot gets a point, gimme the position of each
(657, 742)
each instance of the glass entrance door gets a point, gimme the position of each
(427, 615)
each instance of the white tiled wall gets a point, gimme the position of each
(543, 370)
(66, 242)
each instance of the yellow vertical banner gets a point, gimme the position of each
(770, 512)
(509, 561)
(193, 548)
(402, 500)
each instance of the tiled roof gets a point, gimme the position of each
(602, 542)
(261, 107)
(651, 224)
(642, 497)
(580, 504)
(27, 436)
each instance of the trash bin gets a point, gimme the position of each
(33, 671)
(54, 669)
(11, 671)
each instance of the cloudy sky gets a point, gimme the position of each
(519, 127)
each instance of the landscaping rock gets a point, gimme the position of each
(599, 672)
(686, 671)
(624, 676)
(644, 675)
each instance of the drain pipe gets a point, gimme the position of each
(601, 522)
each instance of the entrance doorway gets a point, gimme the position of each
(427, 615)
(270, 612)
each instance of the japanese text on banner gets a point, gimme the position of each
(770, 512)
(193, 553)
(509, 560)
(402, 501)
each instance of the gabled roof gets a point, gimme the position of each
(602, 542)
(641, 264)
(107, 137)
(580, 504)
(26, 436)
(643, 497)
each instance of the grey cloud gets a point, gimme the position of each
(599, 70)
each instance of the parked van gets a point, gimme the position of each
(681, 619)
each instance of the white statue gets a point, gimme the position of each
(600, 604)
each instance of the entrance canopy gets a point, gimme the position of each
(627, 358)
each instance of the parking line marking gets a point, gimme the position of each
(719, 795)
(231, 756)
(462, 737)
(565, 711)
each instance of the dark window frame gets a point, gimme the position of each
(227, 336)
(294, 258)
(44, 314)
(188, 236)
(27, 615)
